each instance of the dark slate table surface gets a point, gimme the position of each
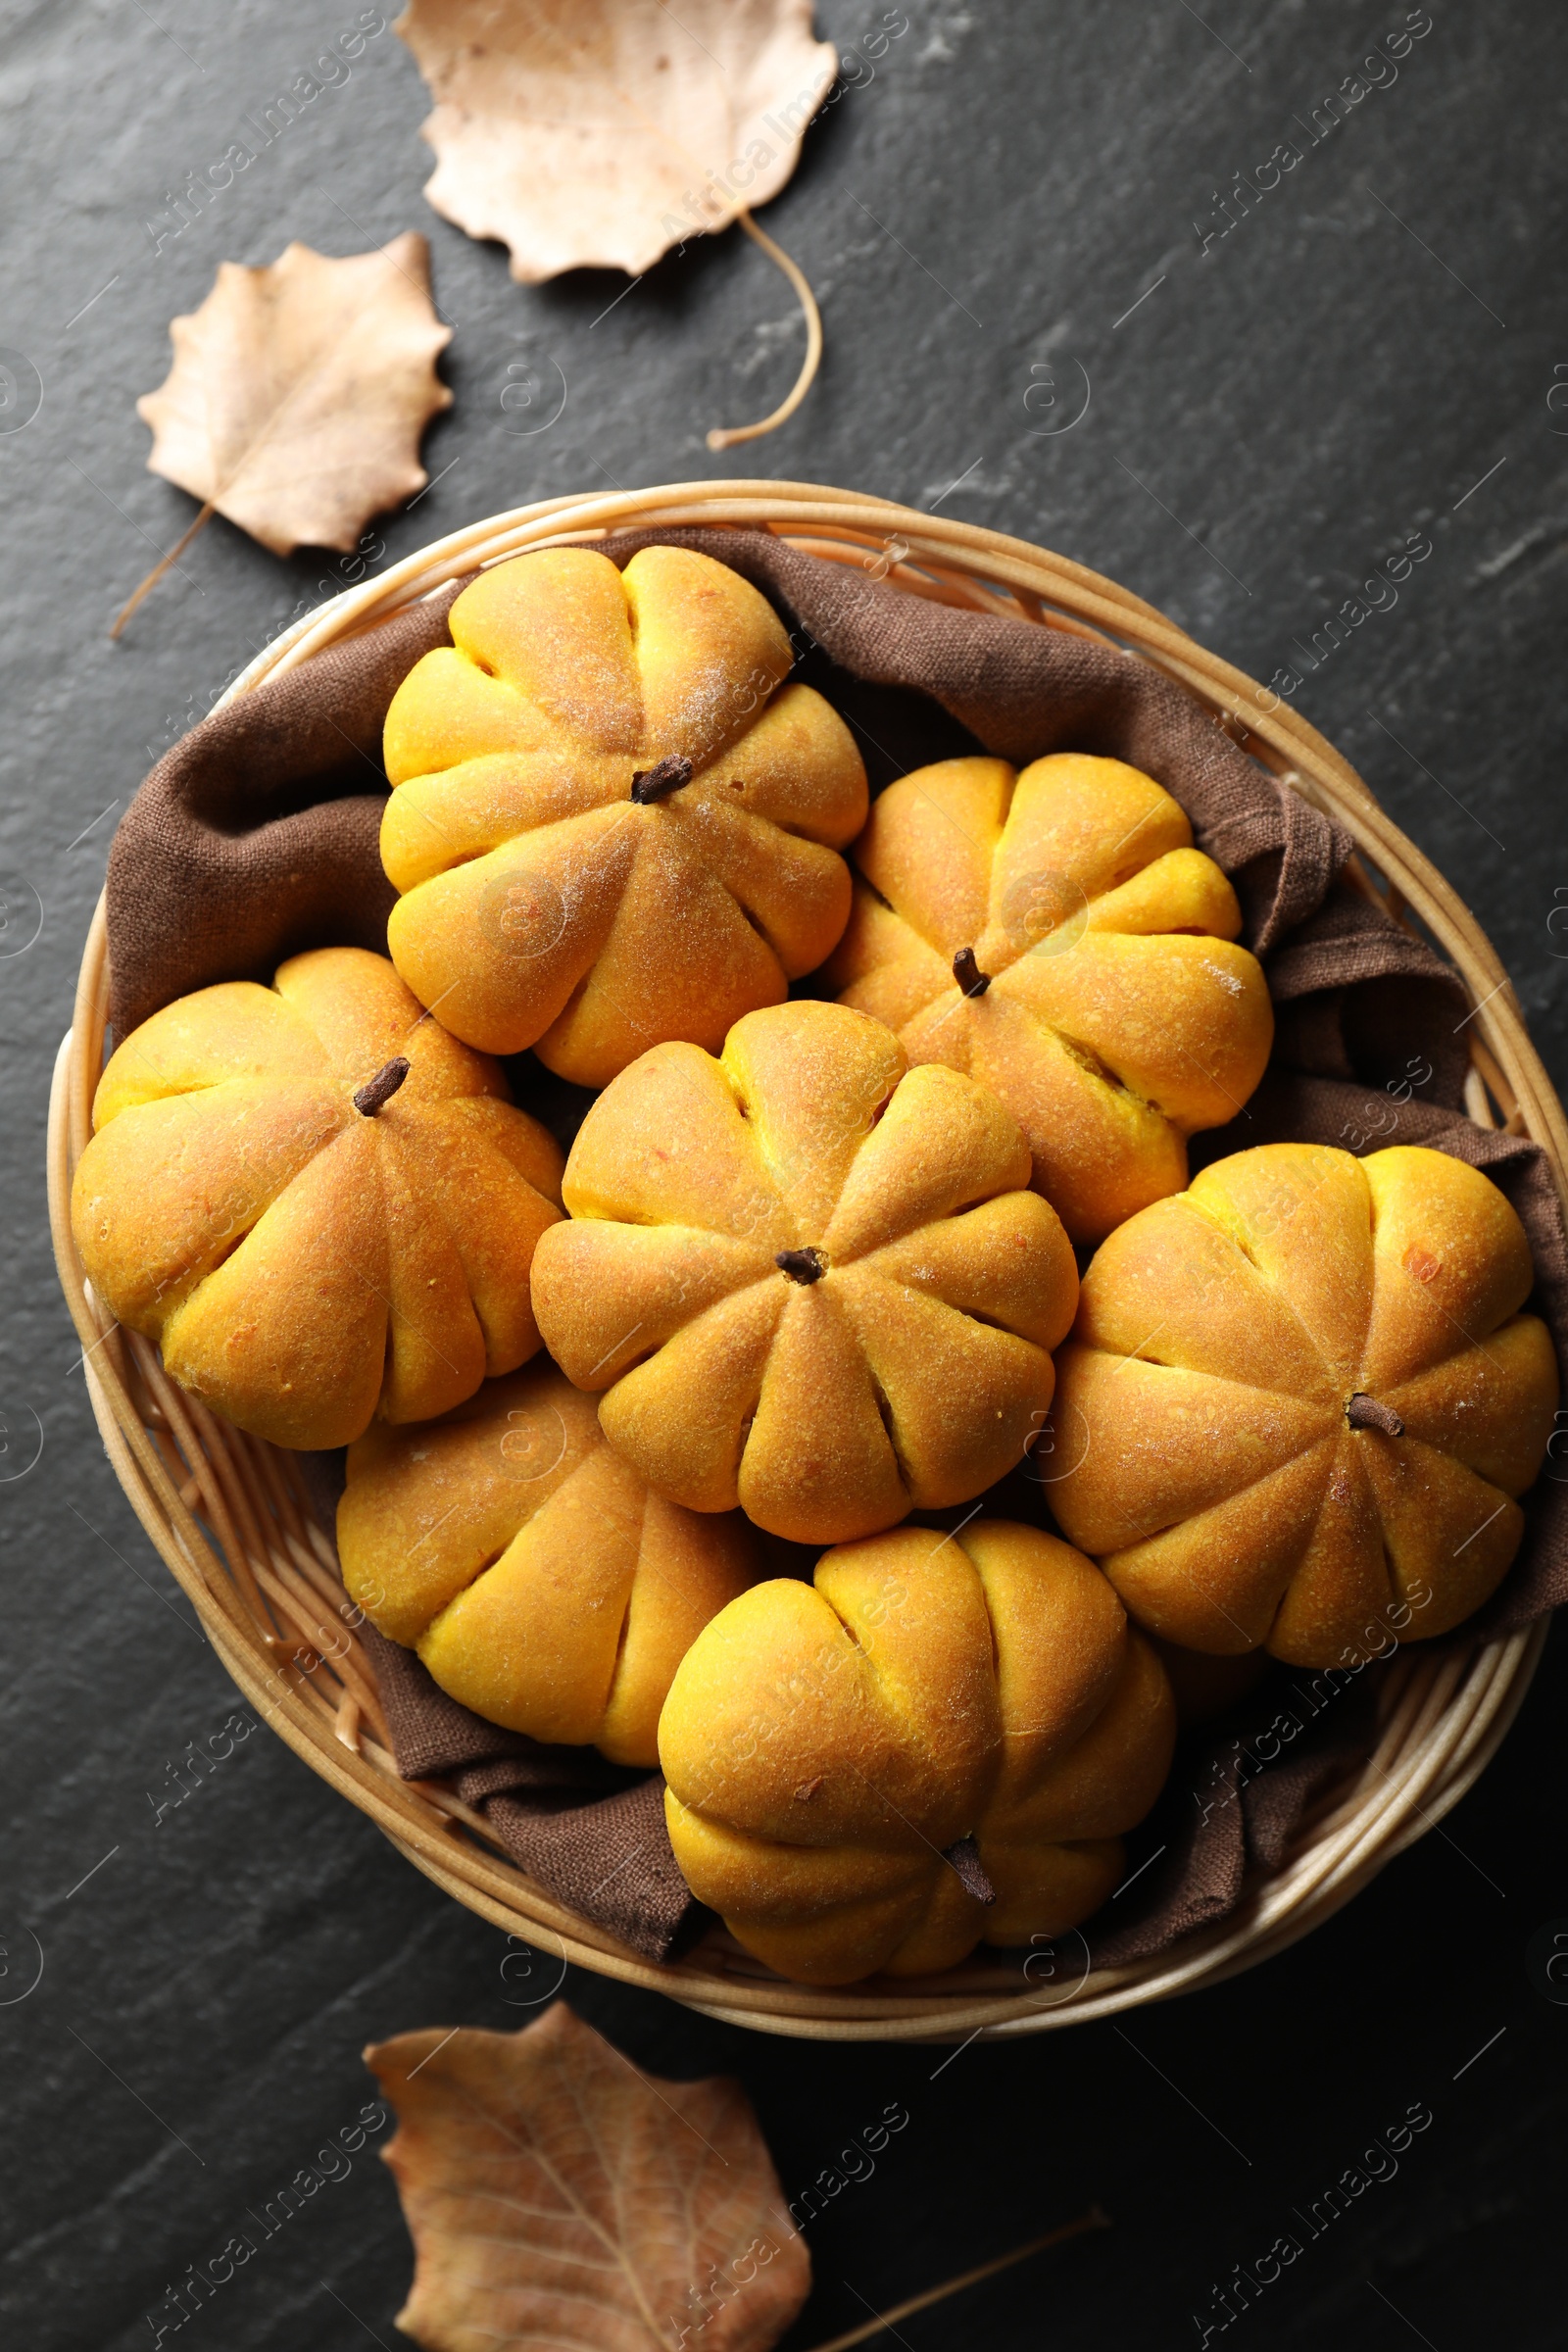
(1011, 206)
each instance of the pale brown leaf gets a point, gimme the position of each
(299, 393)
(559, 2197)
(600, 133)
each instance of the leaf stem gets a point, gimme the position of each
(1094, 2219)
(726, 436)
(158, 570)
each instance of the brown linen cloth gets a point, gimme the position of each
(590, 1831)
(256, 837)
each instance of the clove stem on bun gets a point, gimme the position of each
(801, 1265)
(1365, 1413)
(973, 981)
(378, 1091)
(666, 776)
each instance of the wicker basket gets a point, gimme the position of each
(233, 1522)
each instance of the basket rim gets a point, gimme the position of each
(1446, 1712)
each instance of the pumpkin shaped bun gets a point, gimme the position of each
(612, 822)
(1301, 1401)
(321, 1205)
(809, 1279)
(541, 1582)
(1056, 935)
(855, 1766)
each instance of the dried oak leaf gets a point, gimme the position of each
(557, 2197)
(299, 393)
(597, 133)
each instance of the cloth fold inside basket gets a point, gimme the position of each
(590, 1831)
(255, 836)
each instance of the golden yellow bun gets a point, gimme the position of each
(539, 1579)
(897, 1357)
(306, 1264)
(542, 903)
(825, 1743)
(1120, 1016)
(1237, 1358)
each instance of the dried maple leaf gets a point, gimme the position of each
(299, 393)
(598, 133)
(557, 2197)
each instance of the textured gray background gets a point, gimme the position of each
(1275, 416)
